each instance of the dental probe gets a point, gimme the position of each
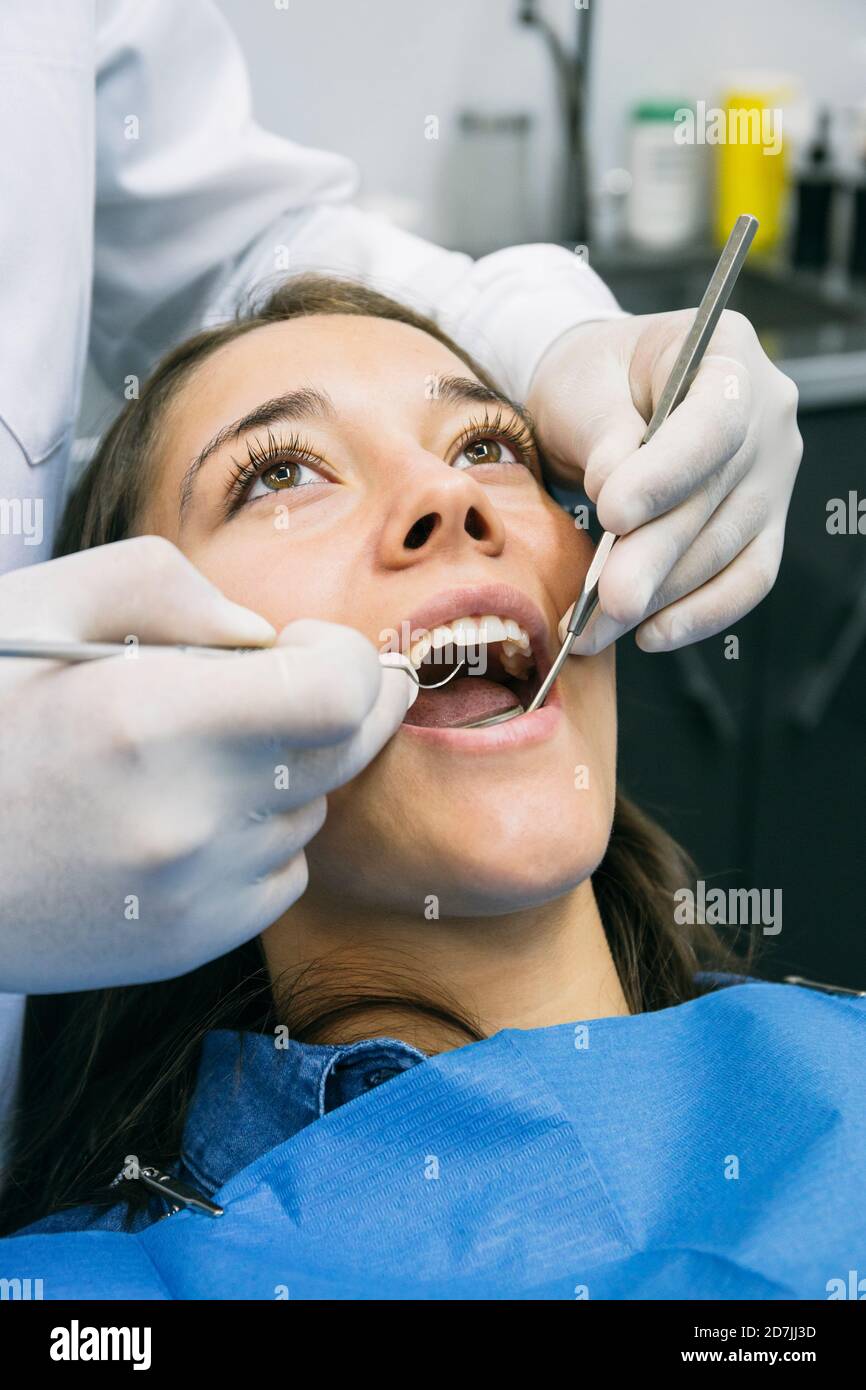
(683, 372)
(38, 649)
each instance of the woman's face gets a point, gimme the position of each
(389, 500)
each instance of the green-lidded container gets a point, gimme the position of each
(667, 197)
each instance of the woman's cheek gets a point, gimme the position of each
(562, 550)
(266, 577)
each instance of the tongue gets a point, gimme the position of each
(462, 701)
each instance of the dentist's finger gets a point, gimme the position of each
(669, 565)
(319, 770)
(268, 900)
(255, 869)
(314, 687)
(143, 587)
(610, 429)
(729, 531)
(583, 404)
(246, 914)
(598, 634)
(706, 431)
(720, 603)
(238, 721)
(268, 840)
(641, 561)
(275, 775)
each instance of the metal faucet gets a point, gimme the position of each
(572, 78)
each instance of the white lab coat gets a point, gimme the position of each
(138, 199)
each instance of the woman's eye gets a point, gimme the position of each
(486, 451)
(281, 476)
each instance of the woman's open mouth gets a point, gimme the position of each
(497, 671)
(495, 639)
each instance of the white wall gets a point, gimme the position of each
(359, 76)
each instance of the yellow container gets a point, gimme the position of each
(751, 162)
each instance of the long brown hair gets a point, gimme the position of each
(107, 1073)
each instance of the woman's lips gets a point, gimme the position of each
(523, 731)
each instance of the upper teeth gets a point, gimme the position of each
(515, 652)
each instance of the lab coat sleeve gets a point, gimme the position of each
(196, 205)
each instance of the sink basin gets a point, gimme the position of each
(771, 300)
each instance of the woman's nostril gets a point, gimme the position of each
(421, 530)
(420, 533)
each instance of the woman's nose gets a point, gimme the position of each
(450, 515)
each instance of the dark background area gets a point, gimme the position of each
(725, 754)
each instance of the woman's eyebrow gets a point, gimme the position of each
(465, 388)
(306, 401)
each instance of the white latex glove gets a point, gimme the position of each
(701, 509)
(156, 779)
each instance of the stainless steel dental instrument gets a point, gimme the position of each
(72, 652)
(683, 372)
(39, 649)
(400, 659)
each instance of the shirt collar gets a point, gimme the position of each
(255, 1090)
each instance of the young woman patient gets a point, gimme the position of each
(334, 456)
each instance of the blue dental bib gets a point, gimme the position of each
(715, 1150)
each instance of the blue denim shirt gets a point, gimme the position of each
(251, 1095)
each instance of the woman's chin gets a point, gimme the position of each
(481, 842)
(515, 877)
(465, 868)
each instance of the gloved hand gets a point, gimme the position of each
(146, 826)
(701, 509)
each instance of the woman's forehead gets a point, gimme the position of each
(352, 355)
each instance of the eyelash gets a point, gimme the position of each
(261, 457)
